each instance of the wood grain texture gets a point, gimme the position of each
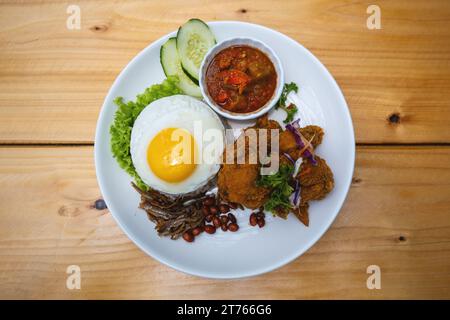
(53, 80)
(397, 216)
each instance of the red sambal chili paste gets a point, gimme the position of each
(241, 79)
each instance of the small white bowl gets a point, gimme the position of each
(251, 43)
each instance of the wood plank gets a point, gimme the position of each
(53, 80)
(397, 216)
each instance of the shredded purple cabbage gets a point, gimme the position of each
(289, 157)
(292, 127)
(298, 139)
(310, 156)
(296, 192)
(296, 123)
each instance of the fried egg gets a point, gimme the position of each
(176, 144)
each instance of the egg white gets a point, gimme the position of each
(178, 111)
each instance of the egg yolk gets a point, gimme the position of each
(171, 154)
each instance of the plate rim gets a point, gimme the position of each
(259, 271)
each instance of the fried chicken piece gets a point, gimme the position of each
(253, 148)
(301, 212)
(237, 183)
(314, 132)
(264, 123)
(289, 146)
(315, 183)
(317, 178)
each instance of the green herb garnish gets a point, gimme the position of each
(281, 190)
(291, 110)
(124, 119)
(288, 87)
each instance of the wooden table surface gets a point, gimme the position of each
(397, 84)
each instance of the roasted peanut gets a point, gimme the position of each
(224, 219)
(209, 201)
(205, 210)
(196, 231)
(216, 222)
(210, 229)
(223, 208)
(260, 215)
(261, 222)
(188, 236)
(253, 220)
(233, 227)
(232, 217)
(213, 209)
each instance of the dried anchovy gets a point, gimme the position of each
(173, 215)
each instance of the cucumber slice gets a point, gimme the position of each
(171, 64)
(194, 39)
(193, 80)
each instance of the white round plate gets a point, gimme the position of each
(251, 250)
